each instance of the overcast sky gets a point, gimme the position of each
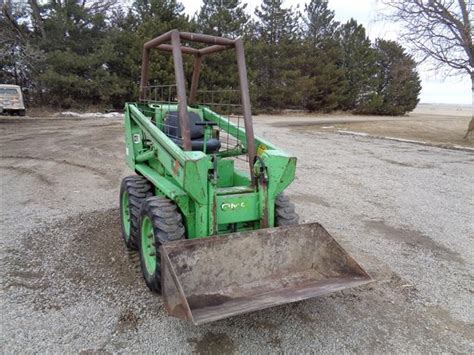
(435, 89)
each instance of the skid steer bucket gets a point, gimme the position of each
(207, 279)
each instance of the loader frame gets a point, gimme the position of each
(213, 196)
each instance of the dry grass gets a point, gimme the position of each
(436, 124)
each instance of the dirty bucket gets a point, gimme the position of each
(207, 279)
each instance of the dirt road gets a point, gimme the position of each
(67, 284)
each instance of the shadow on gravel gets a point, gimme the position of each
(414, 239)
(75, 258)
(213, 343)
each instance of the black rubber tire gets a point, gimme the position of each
(285, 214)
(167, 226)
(138, 189)
(22, 112)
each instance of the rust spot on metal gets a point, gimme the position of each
(179, 312)
(176, 167)
(207, 300)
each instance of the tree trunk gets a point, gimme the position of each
(15, 71)
(37, 17)
(470, 128)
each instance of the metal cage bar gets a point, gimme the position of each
(216, 44)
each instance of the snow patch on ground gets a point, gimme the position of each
(89, 114)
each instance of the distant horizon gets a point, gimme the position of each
(444, 103)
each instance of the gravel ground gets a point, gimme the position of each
(67, 283)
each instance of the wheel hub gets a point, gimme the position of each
(148, 248)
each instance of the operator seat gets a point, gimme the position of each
(173, 131)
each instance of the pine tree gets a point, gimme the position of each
(155, 17)
(81, 53)
(323, 66)
(70, 35)
(275, 50)
(20, 58)
(224, 18)
(129, 30)
(359, 63)
(397, 84)
(319, 21)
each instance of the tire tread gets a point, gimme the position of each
(138, 189)
(285, 213)
(167, 226)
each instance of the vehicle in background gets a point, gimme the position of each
(11, 100)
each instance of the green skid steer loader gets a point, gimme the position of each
(216, 239)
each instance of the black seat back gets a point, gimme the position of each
(173, 130)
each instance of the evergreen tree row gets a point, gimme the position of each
(82, 53)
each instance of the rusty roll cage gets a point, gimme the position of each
(217, 44)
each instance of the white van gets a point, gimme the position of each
(11, 100)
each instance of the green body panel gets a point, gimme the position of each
(225, 169)
(213, 196)
(238, 208)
